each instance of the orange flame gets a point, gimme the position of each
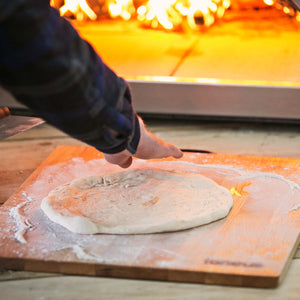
(79, 8)
(167, 14)
(170, 13)
(121, 8)
(157, 12)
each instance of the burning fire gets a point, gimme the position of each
(171, 13)
(79, 8)
(121, 8)
(166, 14)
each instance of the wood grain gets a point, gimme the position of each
(69, 287)
(11, 181)
(255, 258)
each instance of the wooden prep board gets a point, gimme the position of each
(253, 246)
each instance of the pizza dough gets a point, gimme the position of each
(137, 201)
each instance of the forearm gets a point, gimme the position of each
(48, 67)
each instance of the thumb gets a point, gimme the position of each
(121, 159)
(126, 162)
(174, 151)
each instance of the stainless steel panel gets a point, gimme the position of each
(217, 99)
(207, 99)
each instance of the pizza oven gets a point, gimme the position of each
(209, 59)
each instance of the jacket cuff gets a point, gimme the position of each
(134, 139)
(131, 143)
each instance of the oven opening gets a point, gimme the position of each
(201, 58)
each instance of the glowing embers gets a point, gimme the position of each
(121, 8)
(79, 8)
(171, 14)
(164, 14)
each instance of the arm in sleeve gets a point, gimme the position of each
(47, 66)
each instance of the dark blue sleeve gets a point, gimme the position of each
(47, 66)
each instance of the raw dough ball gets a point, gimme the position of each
(137, 201)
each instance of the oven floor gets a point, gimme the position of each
(259, 45)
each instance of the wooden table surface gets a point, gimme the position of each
(22, 154)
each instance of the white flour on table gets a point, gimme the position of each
(28, 218)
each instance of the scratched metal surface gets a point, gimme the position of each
(11, 125)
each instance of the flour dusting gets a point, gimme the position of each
(81, 254)
(240, 171)
(22, 223)
(296, 207)
(47, 240)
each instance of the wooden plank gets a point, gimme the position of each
(233, 138)
(24, 152)
(32, 152)
(241, 139)
(17, 275)
(259, 236)
(11, 181)
(43, 131)
(70, 287)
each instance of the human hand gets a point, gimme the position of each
(149, 147)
